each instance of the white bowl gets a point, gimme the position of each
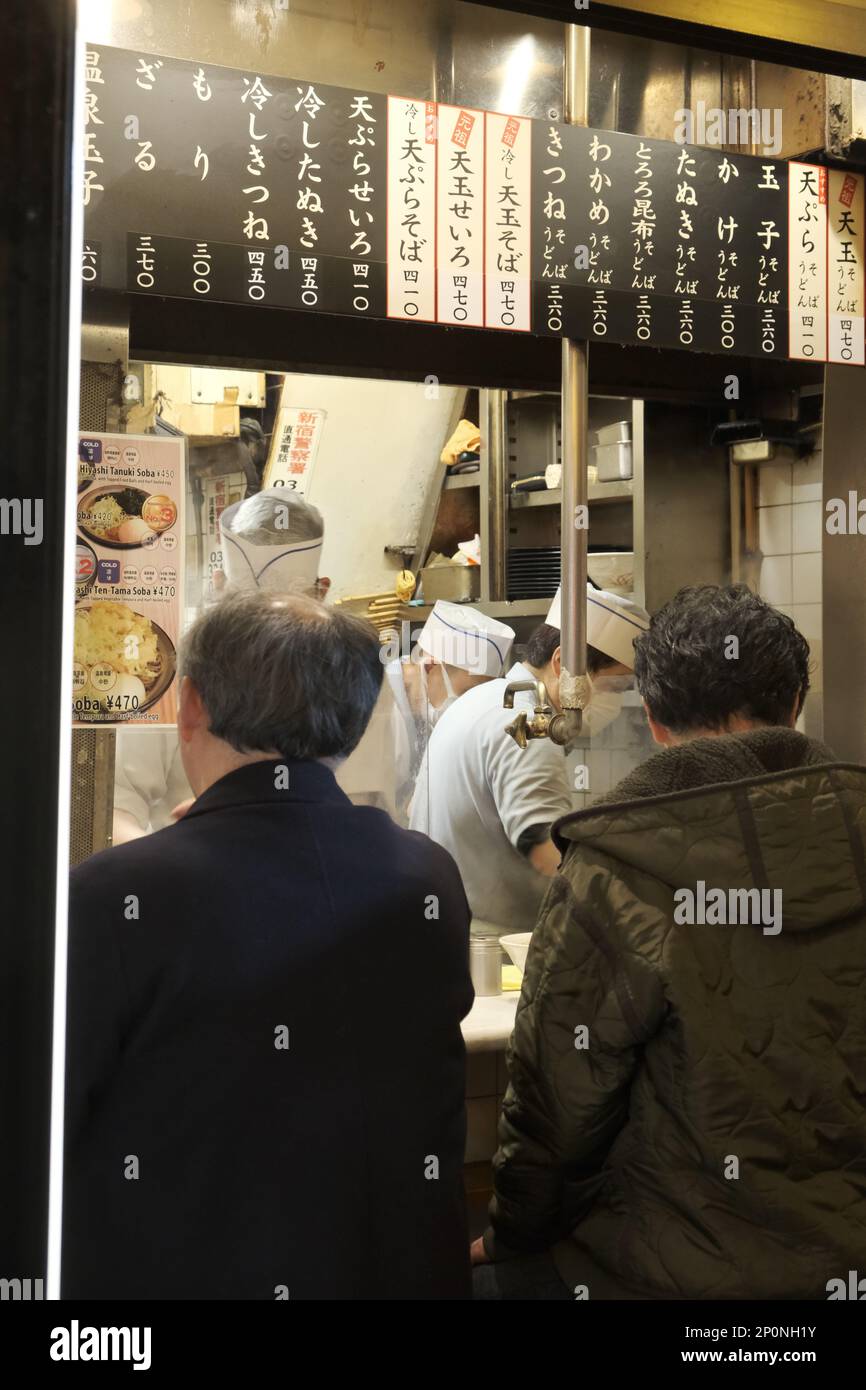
(517, 947)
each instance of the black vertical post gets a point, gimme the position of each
(35, 214)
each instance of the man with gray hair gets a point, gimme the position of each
(260, 1104)
(272, 540)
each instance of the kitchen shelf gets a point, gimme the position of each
(620, 491)
(456, 480)
(502, 609)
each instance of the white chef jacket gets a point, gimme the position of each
(477, 792)
(149, 780)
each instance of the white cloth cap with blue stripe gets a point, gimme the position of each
(612, 623)
(461, 635)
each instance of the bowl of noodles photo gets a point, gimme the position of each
(124, 662)
(124, 518)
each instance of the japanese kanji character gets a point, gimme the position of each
(310, 101)
(90, 185)
(361, 109)
(91, 106)
(769, 233)
(257, 93)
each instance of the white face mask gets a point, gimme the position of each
(435, 712)
(605, 701)
(603, 709)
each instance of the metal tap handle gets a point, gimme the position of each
(542, 704)
(517, 730)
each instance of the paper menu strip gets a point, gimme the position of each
(460, 216)
(845, 257)
(411, 209)
(807, 261)
(508, 212)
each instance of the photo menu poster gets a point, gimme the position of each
(129, 579)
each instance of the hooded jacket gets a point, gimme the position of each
(686, 1104)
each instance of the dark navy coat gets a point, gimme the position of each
(265, 1074)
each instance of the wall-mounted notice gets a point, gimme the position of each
(411, 209)
(218, 493)
(807, 261)
(129, 579)
(294, 447)
(460, 216)
(845, 249)
(508, 282)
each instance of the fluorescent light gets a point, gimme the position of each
(64, 774)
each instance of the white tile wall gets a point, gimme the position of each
(776, 580)
(791, 531)
(774, 529)
(807, 617)
(806, 531)
(805, 579)
(774, 485)
(806, 478)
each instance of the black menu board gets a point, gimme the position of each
(666, 245)
(207, 182)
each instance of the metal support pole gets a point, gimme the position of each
(493, 403)
(575, 429)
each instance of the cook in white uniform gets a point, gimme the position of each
(490, 803)
(272, 540)
(459, 647)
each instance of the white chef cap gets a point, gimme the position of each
(612, 622)
(272, 541)
(460, 635)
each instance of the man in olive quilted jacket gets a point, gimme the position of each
(685, 1115)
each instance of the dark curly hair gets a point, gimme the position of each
(691, 675)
